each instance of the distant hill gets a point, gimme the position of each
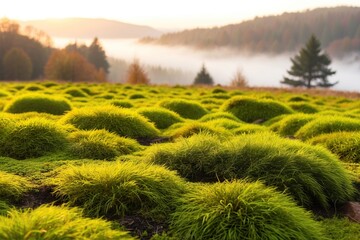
(89, 28)
(337, 28)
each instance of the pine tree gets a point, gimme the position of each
(96, 56)
(203, 77)
(310, 67)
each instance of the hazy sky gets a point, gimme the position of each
(161, 13)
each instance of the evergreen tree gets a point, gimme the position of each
(96, 55)
(203, 77)
(310, 67)
(17, 65)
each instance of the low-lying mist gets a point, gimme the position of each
(222, 64)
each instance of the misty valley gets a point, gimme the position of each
(179, 65)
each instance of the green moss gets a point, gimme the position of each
(124, 122)
(122, 103)
(33, 138)
(50, 222)
(251, 109)
(185, 108)
(327, 124)
(311, 175)
(304, 107)
(38, 103)
(337, 228)
(241, 210)
(218, 115)
(75, 92)
(100, 144)
(120, 188)
(346, 145)
(290, 124)
(161, 117)
(191, 128)
(12, 187)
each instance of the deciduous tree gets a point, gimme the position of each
(17, 65)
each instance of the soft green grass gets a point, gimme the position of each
(251, 109)
(341, 229)
(38, 103)
(124, 122)
(161, 117)
(219, 115)
(346, 145)
(312, 175)
(120, 188)
(12, 187)
(190, 128)
(327, 124)
(304, 107)
(75, 92)
(34, 137)
(185, 108)
(56, 223)
(100, 144)
(241, 210)
(290, 124)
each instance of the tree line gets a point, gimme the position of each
(337, 28)
(27, 54)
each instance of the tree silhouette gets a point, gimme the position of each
(17, 65)
(203, 77)
(96, 55)
(310, 67)
(136, 74)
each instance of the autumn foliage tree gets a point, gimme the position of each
(72, 66)
(17, 65)
(136, 74)
(239, 80)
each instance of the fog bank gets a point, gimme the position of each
(259, 69)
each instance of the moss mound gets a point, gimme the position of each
(38, 103)
(120, 188)
(185, 108)
(251, 109)
(50, 222)
(290, 124)
(34, 137)
(248, 129)
(122, 103)
(304, 107)
(241, 210)
(161, 117)
(327, 124)
(12, 187)
(346, 145)
(218, 115)
(312, 175)
(124, 122)
(192, 128)
(224, 123)
(75, 92)
(100, 144)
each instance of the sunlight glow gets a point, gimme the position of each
(160, 13)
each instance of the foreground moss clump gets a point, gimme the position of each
(241, 210)
(120, 188)
(161, 117)
(185, 108)
(250, 109)
(124, 122)
(38, 103)
(311, 175)
(55, 223)
(34, 137)
(12, 187)
(346, 145)
(100, 144)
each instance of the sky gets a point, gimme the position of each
(161, 14)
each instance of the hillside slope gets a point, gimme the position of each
(338, 29)
(89, 28)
